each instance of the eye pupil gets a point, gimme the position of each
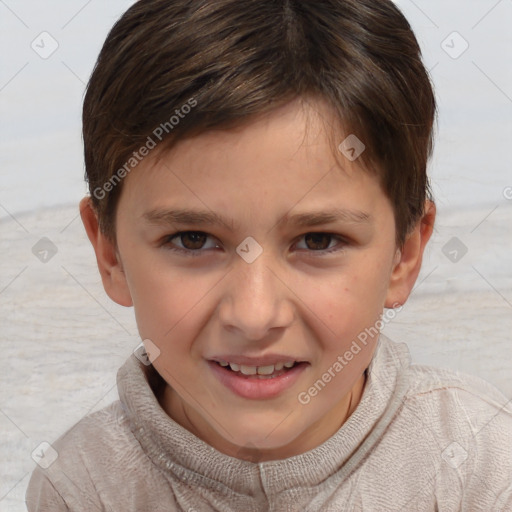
(197, 240)
(320, 240)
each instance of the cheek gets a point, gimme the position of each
(160, 296)
(354, 298)
(170, 305)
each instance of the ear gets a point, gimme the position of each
(109, 263)
(408, 259)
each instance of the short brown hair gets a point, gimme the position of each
(234, 59)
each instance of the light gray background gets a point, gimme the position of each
(62, 339)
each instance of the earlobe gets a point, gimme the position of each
(408, 259)
(109, 263)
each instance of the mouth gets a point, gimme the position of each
(258, 382)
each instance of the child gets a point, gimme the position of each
(259, 195)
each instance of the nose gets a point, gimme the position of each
(256, 301)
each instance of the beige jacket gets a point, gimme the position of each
(421, 439)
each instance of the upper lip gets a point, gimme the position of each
(267, 360)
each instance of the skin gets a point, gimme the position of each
(294, 299)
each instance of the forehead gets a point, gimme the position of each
(280, 159)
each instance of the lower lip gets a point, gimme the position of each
(248, 386)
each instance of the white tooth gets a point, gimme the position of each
(279, 366)
(235, 367)
(223, 363)
(289, 365)
(266, 370)
(247, 370)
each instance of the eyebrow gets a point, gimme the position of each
(308, 219)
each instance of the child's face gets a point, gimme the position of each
(294, 302)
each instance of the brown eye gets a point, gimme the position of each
(190, 243)
(318, 241)
(193, 240)
(321, 244)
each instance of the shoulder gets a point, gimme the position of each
(441, 396)
(83, 456)
(469, 422)
(453, 392)
(105, 431)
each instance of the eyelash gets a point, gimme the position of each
(198, 252)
